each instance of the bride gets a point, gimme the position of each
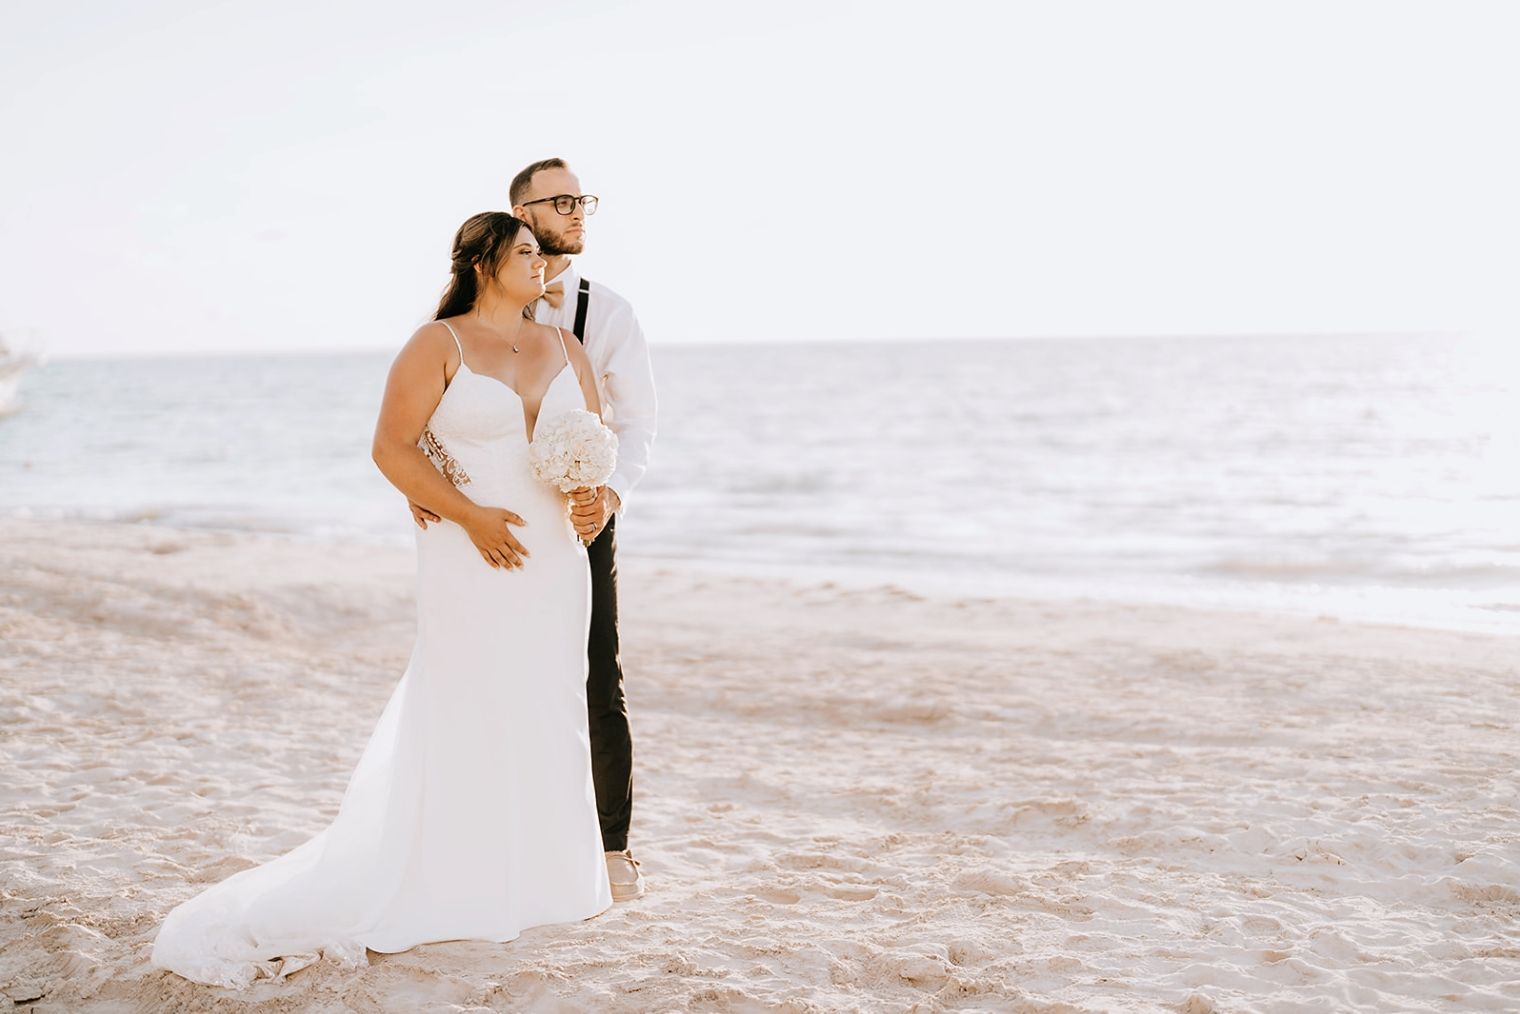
(471, 813)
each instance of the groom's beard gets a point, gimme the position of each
(555, 245)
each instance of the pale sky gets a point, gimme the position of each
(207, 177)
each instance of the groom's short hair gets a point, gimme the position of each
(524, 180)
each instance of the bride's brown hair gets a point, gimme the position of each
(482, 242)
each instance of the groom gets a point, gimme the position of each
(547, 195)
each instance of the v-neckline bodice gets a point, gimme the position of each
(530, 426)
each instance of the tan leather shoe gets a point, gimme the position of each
(624, 876)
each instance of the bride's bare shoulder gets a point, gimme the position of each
(433, 335)
(431, 345)
(544, 330)
(433, 331)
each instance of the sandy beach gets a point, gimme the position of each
(846, 799)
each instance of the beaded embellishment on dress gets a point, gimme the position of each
(442, 459)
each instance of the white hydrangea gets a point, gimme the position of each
(573, 449)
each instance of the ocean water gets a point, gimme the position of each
(1361, 477)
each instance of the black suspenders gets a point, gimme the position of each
(582, 298)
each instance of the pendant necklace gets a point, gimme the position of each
(515, 337)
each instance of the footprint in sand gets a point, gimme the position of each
(778, 896)
(851, 892)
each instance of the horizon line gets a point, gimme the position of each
(43, 356)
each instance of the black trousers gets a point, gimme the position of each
(611, 740)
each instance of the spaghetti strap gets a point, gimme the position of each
(456, 341)
(562, 347)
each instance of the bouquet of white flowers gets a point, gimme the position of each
(572, 450)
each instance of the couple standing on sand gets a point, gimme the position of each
(496, 791)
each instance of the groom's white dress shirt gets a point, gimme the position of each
(620, 356)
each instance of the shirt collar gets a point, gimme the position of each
(569, 277)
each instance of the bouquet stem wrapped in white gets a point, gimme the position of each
(573, 450)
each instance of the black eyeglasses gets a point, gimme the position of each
(565, 203)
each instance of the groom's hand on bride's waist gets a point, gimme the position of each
(422, 515)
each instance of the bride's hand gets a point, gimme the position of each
(487, 528)
(582, 514)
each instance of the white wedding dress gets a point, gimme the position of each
(471, 814)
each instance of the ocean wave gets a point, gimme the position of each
(320, 529)
(1347, 569)
(1012, 465)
